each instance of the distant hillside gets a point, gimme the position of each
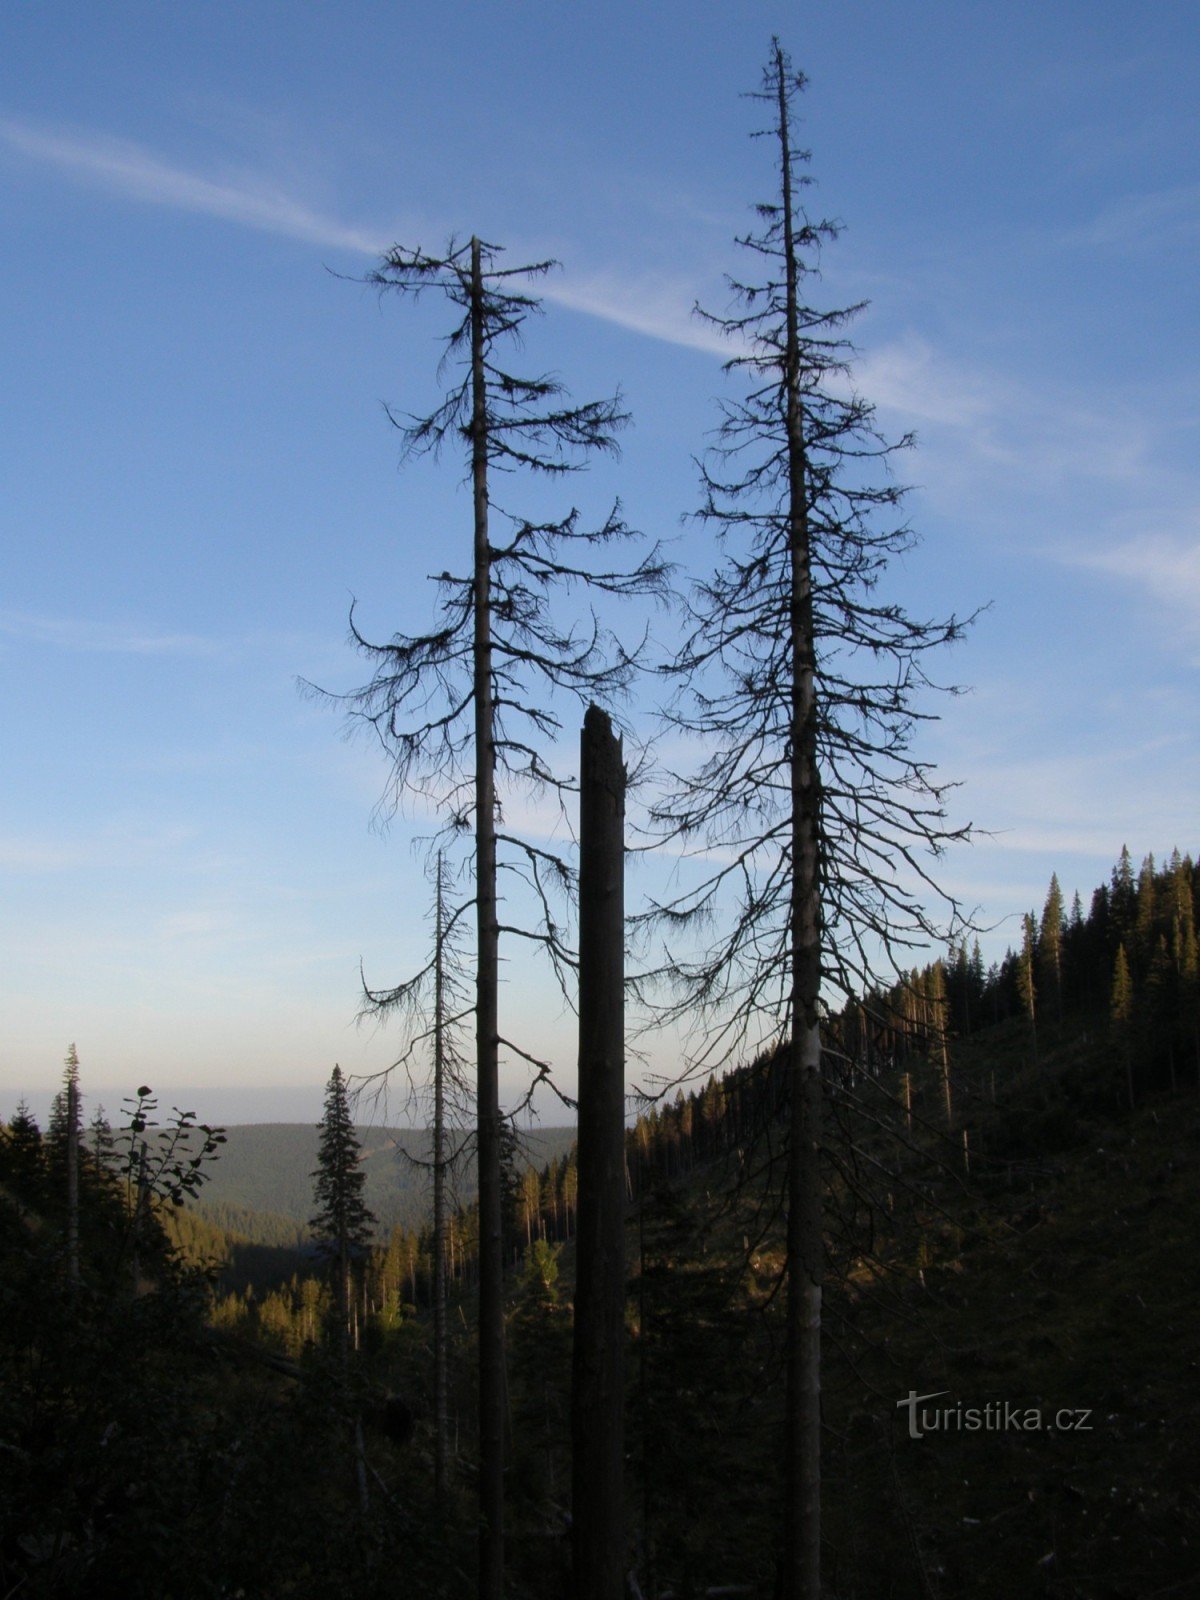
(266, 1168)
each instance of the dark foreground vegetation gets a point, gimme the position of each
(1012, 1204)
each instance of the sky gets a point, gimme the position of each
(199, 475)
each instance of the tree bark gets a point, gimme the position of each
(487, 1033)
(141, 1204)
(598, 1389)
(72, 1180)
(439, 1204)
(802, 1511)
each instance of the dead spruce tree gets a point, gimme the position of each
(465, 711)
(814, 820)
(434, 1007)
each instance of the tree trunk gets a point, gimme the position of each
(360, 1467)
(487, 1033)
(805, 1264)
(1129, 1073)
(598, 1380)
(343, 1299)
(439, 1206)
(141, 1202)
(72, 1180)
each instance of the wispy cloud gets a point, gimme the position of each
(659, 307)
(122, 845)
(656, 306)
(1165, 566)
(1078, 803)
(1037, 435)
(982, 417)
(72, 633)
(907, 375)
(39, 855)
(126, 168)
(1142, 222)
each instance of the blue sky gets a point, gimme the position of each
(198, 474)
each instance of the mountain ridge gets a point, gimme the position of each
(267, 1167)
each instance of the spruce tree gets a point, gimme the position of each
(1026, 976)
(1187, 961)
(61, 1125)
(1160, 1004)
(1120, 1010)
(959, 982)
(1122, 900)
(100, 1139)
(1076, 976)
(342, 1223)
(1144, 914)
(806, 686)
(466, 710)
(978, 983)
(939, 1035)
(65, 1137)
(1050, 945)
(434, 1006)
(23, 1156)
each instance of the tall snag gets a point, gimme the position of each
(598, 1365)
(814, 820)
(471, 703)
(434, 1006)
(444, 1064)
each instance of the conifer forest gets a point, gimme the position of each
(881, 1283)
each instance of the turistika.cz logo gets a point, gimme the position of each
(997, 1416)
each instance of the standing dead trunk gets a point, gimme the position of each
(141, 1203)
(805, 1264)
(439, 1201)
(797, 683)
(497, 623)
(598, 1386)
(72, 1179)
(487, 1031)
(360, 1467)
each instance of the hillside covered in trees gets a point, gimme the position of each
(1012, 1203)
(266, 1168)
